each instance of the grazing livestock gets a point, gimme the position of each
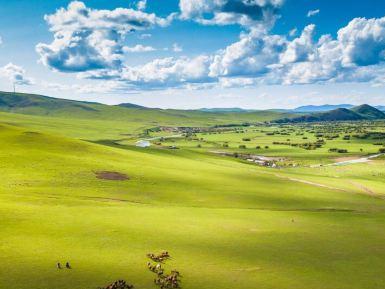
(164, 281)
(120, 284)
(159, 258)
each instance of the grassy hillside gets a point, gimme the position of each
(362, 112)
(368, 112)
(227, 224)
(127, 113)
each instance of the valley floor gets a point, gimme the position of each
(226, 223)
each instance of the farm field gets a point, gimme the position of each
(227, 222)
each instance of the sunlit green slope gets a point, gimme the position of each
(227, 224)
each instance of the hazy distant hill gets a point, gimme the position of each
(131, 105)
(321, 108)
(229, 109)
(380, 107)
(362, 112)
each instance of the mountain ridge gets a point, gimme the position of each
(361, 112)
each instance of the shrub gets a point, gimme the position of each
(342, 151)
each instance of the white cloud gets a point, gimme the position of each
(357, 55)
(276, 60)
(142, 4)
(262, 58)
(301, 48)
(160, 73)
(177, 48)
(313, 12)
(138, 48)
(250, 56)
(362, 41)
(237, 82)
(293, 32)
(15, 74)
(88, 39)
(224, 12)
(90, 42)
(169, 72)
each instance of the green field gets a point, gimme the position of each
(227, 222)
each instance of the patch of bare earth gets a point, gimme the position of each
(345, 159)
(111, 176)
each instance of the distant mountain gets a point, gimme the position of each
(368, 112)
(130, 105)
(362, 112)
(321, 108)
(380, 107)
(229, 109)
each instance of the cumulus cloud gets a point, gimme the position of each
(224, 12)
(356, 55)
(169, 72)
(138, 48)
(90, 43)
(15, 74)
(160, 73)
(313, 12)
(362, 41)
(301, 48)
(262, 58)
(88, 39)
(250, 56)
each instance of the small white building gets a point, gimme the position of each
(143, 144)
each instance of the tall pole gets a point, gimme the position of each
(14, 88)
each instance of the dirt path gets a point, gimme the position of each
(310, 183)
(362, 188)
(365, 189)
(355, 161)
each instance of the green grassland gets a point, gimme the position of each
(227, 223)
(94, 121)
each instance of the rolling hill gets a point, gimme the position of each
(321, 108)
(32, 104)
(362, 112)
(368, 112)
(226, 223)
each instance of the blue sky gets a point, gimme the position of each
(194, 53)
